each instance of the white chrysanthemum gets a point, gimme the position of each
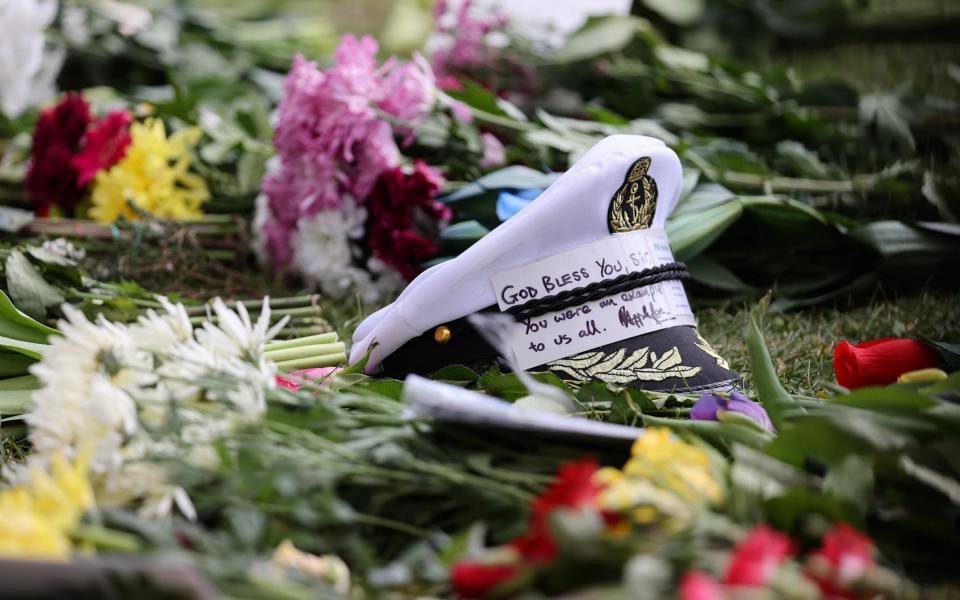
(28, 66)
(157, 389)
(323, 254)
(64, 249)
(159, 332)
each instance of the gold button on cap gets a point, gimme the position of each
(442, 334)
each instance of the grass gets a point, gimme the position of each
(802, 343)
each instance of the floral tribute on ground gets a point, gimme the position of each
(111, 167)
(338, 207)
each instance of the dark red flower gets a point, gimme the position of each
(52, 180)
(474, 579)
(845, 556)
(104, 146)
(573, 488)
(405, 217)
(757, 557)
(697, 585)
(880, 362)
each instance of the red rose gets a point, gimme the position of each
(697, 585)
(757, 557)
(880, 362)
(845, 556)
(474, 580)
(104, 146)
(51, 178)
(405, 217)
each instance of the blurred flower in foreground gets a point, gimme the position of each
(28, 65)
(880, 362)
(753, 564)
(115, 388)
(665, 480)
(39, 513)
(713, 406)
(697, 585)
(329, 569)
(575, 487)
(845, 557)
(295, 380)
(154, 175)
(757, 557)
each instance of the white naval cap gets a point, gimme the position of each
(581, 216)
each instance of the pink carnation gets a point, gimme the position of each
(466, 49)
(330, 137)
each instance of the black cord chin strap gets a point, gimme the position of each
(599, 289)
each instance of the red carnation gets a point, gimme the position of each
(573, 488)
(845, 557)
(52, 179)
(474, 579)
(880, 362)
(405, 217)
(697, 585)
(105, 146)
(757, 557)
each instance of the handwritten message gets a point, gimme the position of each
(580, 328)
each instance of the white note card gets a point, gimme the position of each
(592, 324)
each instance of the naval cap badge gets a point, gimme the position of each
(635, 202)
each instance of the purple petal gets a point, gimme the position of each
(743, 405)
(706, 407)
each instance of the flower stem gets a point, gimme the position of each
(307, 351)
(311, 362)
(321, 338)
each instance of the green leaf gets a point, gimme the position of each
(16, 325)
(600, 35)
(679, 12)
(788, 510)
(714, 430)
(13, 363)
(770, 391)
(479, 97)
(889, 399)
(693, 232)
(456, 374)
(802, 161)
(851, 479)
(712, 273)
(28, 288)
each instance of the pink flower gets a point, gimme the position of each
(297, 379)
(494, 154)
(465, 33)
(845, 556)
(103, 146)
(697, 585)
(757, 557)
(330, 137)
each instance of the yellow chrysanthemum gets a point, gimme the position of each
(39, 515)
(665, 477)
(154, 175)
